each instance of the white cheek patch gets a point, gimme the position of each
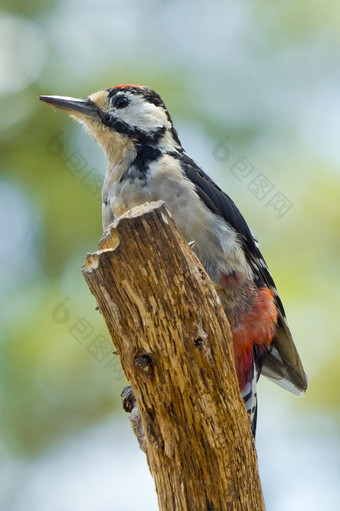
(142, 115)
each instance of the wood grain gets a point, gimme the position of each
(175, 347)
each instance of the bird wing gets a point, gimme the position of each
(282, 363)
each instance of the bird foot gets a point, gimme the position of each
(130, 406)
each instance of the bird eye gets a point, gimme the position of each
(121, 102)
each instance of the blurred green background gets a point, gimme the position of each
(253, 89)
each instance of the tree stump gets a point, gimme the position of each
(175, 347)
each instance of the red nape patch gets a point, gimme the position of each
(257, 326)
(127, 85)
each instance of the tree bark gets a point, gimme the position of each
(175, 347)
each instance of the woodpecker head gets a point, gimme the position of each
(121, 116)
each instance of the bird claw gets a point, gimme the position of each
(130, 406)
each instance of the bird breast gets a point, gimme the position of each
(216, 243)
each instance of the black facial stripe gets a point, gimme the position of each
(143, 137)
(146, 154)
(154, 98)
(112, 122)
(150, 138)
(150, 96)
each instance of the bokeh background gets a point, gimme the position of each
(253, 89)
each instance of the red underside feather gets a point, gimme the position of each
(256, 327)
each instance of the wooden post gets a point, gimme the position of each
(175, 347)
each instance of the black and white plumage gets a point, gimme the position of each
(146, 162)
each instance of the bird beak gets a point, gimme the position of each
(73, 106)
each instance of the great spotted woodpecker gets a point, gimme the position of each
(146, 162)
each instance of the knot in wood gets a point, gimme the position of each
(144, 366)
(200, 337)
(199, 341)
